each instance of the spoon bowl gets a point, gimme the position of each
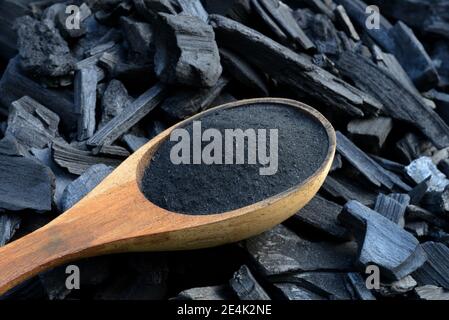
(116, 217)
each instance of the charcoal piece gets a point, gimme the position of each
(398, 287)
(346, 23)
(342, 189)
(373, 132)
(367, 166)
(114, 100)
(25, 182)
(357, 11)
(186, 52)
(381, 242)
(42, 50)
(113, 151)
(193, 8)
(206, 293)
(281, 251)
(9, 223)
(14, 85)
(32, 124)
(418, 229)
(63, 178)
(85, 183)
(337, 163)
(85, 101)
(430, 292)
(242, 72)
(412, 56)
(421, 168)
(279, 17)
(125, 120)
(77, 31)
(331, 285)
(140, 38)
(246, 286)
(436, 269)
(392, 209)
(398, 102)
(134, 142)
(389, 165)
(437, 202)
(291, 69)
(77, 161)
(293, 291)
(187, 102)
(322, 215)
(415, 213)
(358, 285)
(321, 31)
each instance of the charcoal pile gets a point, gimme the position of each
(76, 102)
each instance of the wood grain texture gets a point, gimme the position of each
(116, 217)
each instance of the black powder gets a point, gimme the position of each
(200, 189)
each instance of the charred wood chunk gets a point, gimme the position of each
(9, 223)
(207, 293)
(358, 286)
(193, 8)
(279, 18)
(186, 52)
(140, 38)
(415, 213)
(246, 286)
(389, 165)
(430, 292)
(321, 31)
(86, 101)
(243, 72)
(281, 251)
(25, 182)
(85, 183)
(291, 69)
(78, 161)
(342, 189)
(372, 132)
(293, 291)
(437, 202)
(393, 208)
(187, 102)
(42, 50)
(134, 142)
(398, 102)
(121, 123)
(345, 22)
(367, 166)
(14, 85)
(32, 124)
(322, 215)
(114, 100)
(436, 270)
(113, 151)
(422, 168)
(413, 57)
(383, 243)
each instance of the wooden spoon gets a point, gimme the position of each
(116, 217)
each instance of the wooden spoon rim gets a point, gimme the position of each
(313, 113)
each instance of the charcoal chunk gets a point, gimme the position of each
(42, 50)
(391, 208)
(25, 184)
(114, 100)
(9, 223)
(140, 38)
(280, 251)
(186, 52)
(134, 142)
(32, 124)
(193, 8)
(76, 190)
(322, 214)
(85, 101)
(383, 243)
(372, 132)
(125, 120)
(358, 285)
(436, 270)
(430, 292)
(246, 286)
